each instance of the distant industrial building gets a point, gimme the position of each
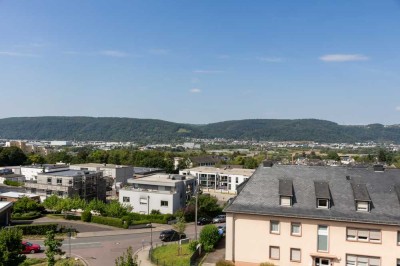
(162, 192)
(87, 185)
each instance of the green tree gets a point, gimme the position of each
(36, 159)
(10, 247)
(53, 248)
(25, 204)
(126, 259)
(332, 155)
(209, 237)
(12, 156)
(180, 225)
(53, 203)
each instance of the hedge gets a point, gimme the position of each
(37, 229)
(25, 216)
(117, 222)
(12, 183)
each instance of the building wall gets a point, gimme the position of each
(154, 201)
(30, 173)
(248, 239)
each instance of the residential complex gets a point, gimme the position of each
(118, 173)
(224, 179)
(162, 192)
(303, 215)
(87, 185)
(9, 175)
(31, 171)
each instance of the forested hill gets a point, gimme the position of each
(159, 131)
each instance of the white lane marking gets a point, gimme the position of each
(85, 243)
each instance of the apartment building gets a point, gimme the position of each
(162, 192)
(319, 216)
(31, 171)
(225, 179)
(87, 185)
(117, 173)
(9, 175)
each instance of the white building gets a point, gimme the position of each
(61, 143)
(31, 171)
(163, 192)
(119, 173)
(224, 179)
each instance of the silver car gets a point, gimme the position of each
(219, 219)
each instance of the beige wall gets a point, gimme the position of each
(248, 240)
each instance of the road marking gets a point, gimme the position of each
(85, 243)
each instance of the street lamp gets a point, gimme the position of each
(196, 195)
(151, 235)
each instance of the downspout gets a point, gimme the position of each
(233, 237)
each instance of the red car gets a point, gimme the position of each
(28, 247)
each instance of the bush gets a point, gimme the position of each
(267, 264)
(209, 237)
(224, 263)
(12, 183)
(37, 229)
(193, 245)
(72, 217)
(26, 216)
(109, 221)
(86, 216)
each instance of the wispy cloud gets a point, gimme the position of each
(113, 53)
(270, 59)
(203, 71)
(398, 108)
(159, 51)
(343, 57)
(195, 90)
(17, 54)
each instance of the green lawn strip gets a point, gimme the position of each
(168, 255)
(43, 262)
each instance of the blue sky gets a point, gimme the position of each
(202, 61)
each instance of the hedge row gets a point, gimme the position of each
(37, 229)
(109, 221)
(26, 216)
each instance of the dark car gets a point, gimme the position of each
(203, 221)
(219, 219)
(171, 235)
(28, 247)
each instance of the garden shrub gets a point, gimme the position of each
(37, 229)
(209, 237)
(224, 263)
(86, 216)
(267, 264)
(117, 222)
(193, 245)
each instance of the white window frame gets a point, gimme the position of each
(291, 229)
(291, 254)
(283, 201)
(270, 252)
(279, 227)
(126, 199)
(323, 233)
(356, 258)
(361, 208)
(163, 205)
(356, 235)
(319, 206)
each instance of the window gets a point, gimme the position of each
(323, 203)
(295, 229)
(274, 253)
(356, 260)
(237, 180)
(274, 227)
(70, 182)
(363, 206)
(286, 201)
(126, 199)
(59, 181)
(364, 235)
(49, 180)
(398, 238)
(295, 254)
(143, 201)
(48, 192)
(164, 203)
(398, 262)
(323, 238)
(60, 193)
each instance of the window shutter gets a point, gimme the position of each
(364, 234)
(274, 252)
(351, 233)
(375, 235)
(295, 254)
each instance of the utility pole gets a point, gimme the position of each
(195, 212)
(148, 205)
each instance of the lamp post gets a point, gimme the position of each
(196, 195)
(148, 205)
(151, 236)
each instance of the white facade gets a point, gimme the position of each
(119, 173)
(224, 179)
(162, 192)
(31, 171)
(61, 143)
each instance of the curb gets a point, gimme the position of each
(82, 259)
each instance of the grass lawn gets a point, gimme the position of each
(168, 255)
(43, 262)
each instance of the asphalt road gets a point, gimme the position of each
(103, 250)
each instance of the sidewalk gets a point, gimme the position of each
(156, 228)
(143, 257)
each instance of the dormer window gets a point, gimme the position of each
(322, 194)
(323, 203)
(362, 206)
(361, 197)
(286, 201)
(286, 193)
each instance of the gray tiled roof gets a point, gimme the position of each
(360, 192)
(285, 187)
(322, 190)
(260, 195)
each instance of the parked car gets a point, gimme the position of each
(28, 247)
(203, 221)
(171, 235)
(219, 218)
